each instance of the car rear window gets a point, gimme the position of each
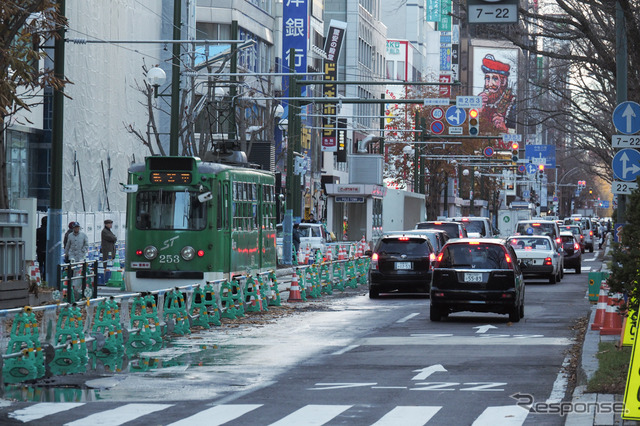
(475, 226)
(567, 239)
(481, 256)
(530, 243)
(452, 229)
(408, 246)
(536, 228)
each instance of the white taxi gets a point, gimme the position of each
(538, 256)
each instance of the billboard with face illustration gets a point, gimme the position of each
(495, 80)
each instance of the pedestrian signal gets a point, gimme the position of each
(474, 125)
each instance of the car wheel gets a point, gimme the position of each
(582, 250)
(374, 293)
(522, 310)
(562, 273)
(514, 314)
(552, 279)
(435, 314)
(591, 249)
(579, 269)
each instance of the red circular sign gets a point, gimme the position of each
(437, 113)
(437, 127)
(488, 151)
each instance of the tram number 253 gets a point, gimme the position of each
(169, 258)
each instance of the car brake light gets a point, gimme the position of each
(374, 257)
(547, 261)
(474, 243)
(576, 246)
(465, 219)
(437, 223)
(559, 240)
(403, 238)
(439, 259)
(374, 261)
(535, 224)
(432, 257)
(591, 233)
(508, 259)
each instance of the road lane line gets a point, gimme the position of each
(43, 409)
(120, 415)
(560, 385)
(344, 350)
(407, 416)
(217, 415)
(408, 317)
(312, 415)
(504, 416)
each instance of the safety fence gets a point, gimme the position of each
(68, 338)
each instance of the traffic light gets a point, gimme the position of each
(514, 147)
(540, 170)
(474, 125)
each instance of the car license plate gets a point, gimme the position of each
(403, 265)
(470, 277)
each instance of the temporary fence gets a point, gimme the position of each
(66, 338)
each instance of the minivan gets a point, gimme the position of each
(477, 227)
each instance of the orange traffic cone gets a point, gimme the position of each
(328, 256)
(294, 290)
(601, 307)
(612, 319)
(258, 297)
(306, 256)
(341, 253)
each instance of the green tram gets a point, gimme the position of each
(190, 222)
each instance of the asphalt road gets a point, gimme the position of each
(343, 359)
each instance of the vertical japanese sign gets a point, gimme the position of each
(433, 10)
(332, 48)
(295, 18)
(444, 23)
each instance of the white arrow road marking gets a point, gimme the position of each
(329, 386)
(408, 416)
(345, 350)
(427, 371)
(484, 328)
(507, 415)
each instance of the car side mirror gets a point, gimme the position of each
(368, 253)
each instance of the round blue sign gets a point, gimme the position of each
(522, 168)
(455, 116)
(437, 127)
(626, 117)
(626, 164)
(488, 151)
(530, 231)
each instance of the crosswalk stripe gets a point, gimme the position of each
(42, 409)
(507, 415)
(119, 415)
(407, 416)
(312, 415)
(217, 415)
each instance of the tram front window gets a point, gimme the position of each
(170, 210)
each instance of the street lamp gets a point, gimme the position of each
(156, 78)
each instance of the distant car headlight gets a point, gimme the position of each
(188, 253)
(150, 252)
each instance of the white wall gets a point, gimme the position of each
(103, 96)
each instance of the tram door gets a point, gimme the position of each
(224, 226)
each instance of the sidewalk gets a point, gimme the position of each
(586, 369)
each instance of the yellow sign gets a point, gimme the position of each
(632, 391)
(630, 329)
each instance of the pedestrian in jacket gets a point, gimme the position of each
(108, 243)
(41, 245)
(77, 245)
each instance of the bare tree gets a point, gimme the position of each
(25, 25)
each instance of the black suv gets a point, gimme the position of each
(453, 229)
(480, 275)
(401, 262)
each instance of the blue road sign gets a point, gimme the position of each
(626, 164)
(522, 168)
(488, 151)
(455, 116)
(626, 117)
(605, 204)
(437, 127)
(526, 194)
(531, 168)
(541, 154)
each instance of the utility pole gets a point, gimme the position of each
(621, 84)
(175, 79)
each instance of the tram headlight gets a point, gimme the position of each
(150, 252)
(188, 253)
